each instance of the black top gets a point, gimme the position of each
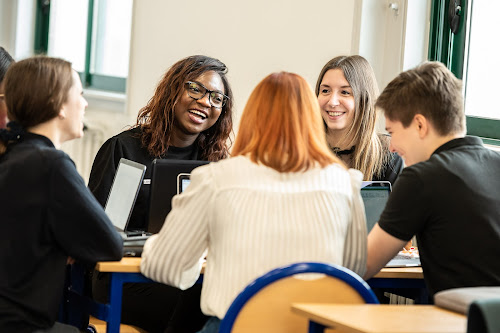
(390, 170)
(452, 203)
(128, 145)
(47, 214)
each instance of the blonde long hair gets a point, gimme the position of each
(372, 150)
(282, 126)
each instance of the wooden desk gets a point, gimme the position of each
(405, 281)
(127, 270)
(133, 265)
(377, 318)
(401, 273)
(126, 265)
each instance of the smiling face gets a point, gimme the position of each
(336, 101)
(195, 116)
(407, 142)
(73, 110)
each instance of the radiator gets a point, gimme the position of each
(82, 151)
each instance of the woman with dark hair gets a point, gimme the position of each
(5, 61)
(347, 91)
(188, 118)
(48, 214)
(282, 197)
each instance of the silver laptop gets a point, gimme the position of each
(122, 196)
(375, 195)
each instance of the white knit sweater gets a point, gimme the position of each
(253, 219)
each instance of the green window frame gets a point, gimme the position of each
(451, 49)
(89, 80)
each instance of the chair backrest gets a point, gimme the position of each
(265, 304)
(483, 316)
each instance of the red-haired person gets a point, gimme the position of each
(188, 118)
(282, 197)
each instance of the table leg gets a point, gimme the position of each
(115, 301)
(315, 327)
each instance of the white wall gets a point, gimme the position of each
(256, 38)
(17, 19)
(8, 17)
(253, 38)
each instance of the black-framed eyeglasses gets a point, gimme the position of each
(197, 91)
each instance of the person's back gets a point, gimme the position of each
(49, 217)
(260, 219)
(459, 240)
(449, 195)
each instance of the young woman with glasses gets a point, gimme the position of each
(188, 118)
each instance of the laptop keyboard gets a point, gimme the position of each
(402, 256)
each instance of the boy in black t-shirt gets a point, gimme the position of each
(449, 193)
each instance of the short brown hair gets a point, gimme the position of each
(36, 88)
(283, 126)
(156, 119)
(431, 90)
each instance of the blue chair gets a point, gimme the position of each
(265, 304)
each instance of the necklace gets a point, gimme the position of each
(339, 152)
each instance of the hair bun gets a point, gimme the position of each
(13, 132)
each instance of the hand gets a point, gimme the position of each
(70, 261)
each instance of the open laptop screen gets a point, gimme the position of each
(168, 178)
(375, 196)
(126, 185)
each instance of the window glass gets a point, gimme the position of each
(68, 31)
(111, 37)
(483, 70)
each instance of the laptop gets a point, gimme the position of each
(375, 195)
(122, 196)
(168, 178)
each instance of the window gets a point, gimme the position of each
(471, 54)
(93, 34)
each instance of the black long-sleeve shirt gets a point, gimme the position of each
(128, 145)
(47, 214)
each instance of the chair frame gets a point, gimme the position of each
(336, 271)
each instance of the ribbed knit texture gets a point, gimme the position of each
(253, 219)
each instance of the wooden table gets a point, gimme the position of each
(405, 281)
(129, 270)
(126, 265)
(377, 318)
(401, 273)
(133, 265)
